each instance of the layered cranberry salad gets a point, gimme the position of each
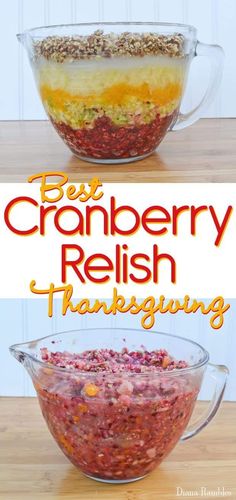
(111, 96)
(115, 415)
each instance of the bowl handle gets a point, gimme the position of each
(215, 55)
(219, 374)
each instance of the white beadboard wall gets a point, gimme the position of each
(215, 20)
(24, 320)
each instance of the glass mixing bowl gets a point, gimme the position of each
(113, 90)
(117, 427)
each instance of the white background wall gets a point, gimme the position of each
(215, 20)
(27, 320)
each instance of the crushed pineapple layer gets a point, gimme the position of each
(92, 77)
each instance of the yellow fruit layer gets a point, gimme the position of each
(126, 91)
(118, 94)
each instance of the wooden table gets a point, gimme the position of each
(205, 152)
(32, 467)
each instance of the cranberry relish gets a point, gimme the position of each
(109, 141)
(111, 96)
(115, 415)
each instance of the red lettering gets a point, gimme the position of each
(43, 214)
(220, 227)
(65, 263)
(140, 267)
(114, 214)
(176, 212)
(195, 211)
(8, 209)
(157, 258)
(89, 212)
(166, 219)
(88, 267)
(80, 226)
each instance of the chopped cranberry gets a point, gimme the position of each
(108, 141)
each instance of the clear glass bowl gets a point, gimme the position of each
(113, 90)
(114, 435)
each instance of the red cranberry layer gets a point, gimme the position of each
(108, 141)
(116, 415)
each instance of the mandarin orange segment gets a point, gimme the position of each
(91, 390)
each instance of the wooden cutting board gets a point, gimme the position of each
(33, 468)
(205, 152)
